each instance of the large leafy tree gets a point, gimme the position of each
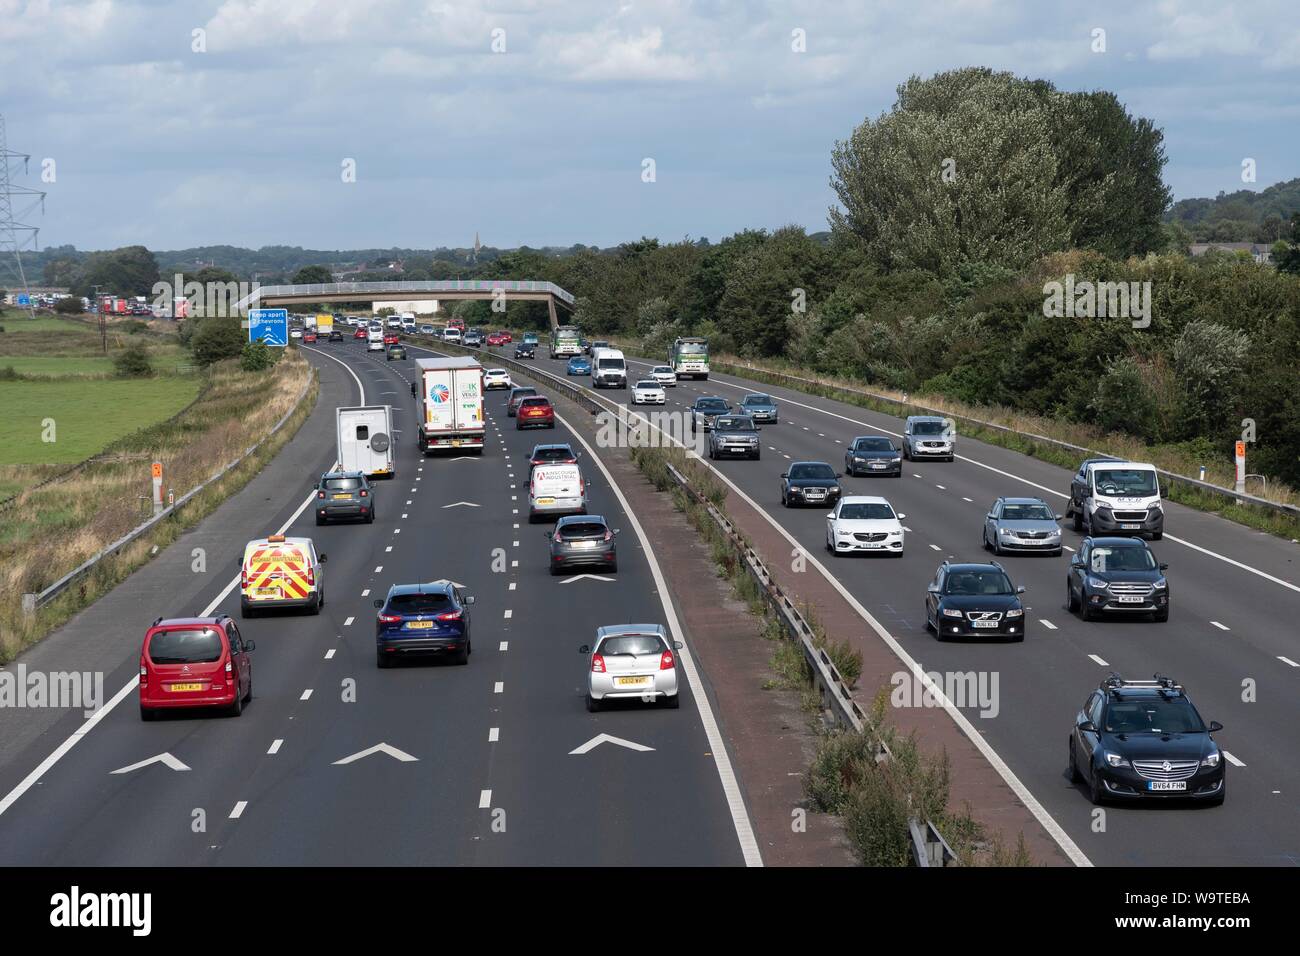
(131, 270)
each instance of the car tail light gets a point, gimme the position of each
(243, 578)
(666, 661)
(609, 535)
(449, 616)
(390, 618)
(557, 538)
(311, 576)
(597, 664)
(320, 494)
(230, 666)
(582, 486)
(364, 493)
(144, 673)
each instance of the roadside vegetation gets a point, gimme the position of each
(70, 506)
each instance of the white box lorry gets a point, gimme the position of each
(451, 404)
(365, 435)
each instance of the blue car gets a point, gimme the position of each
(579, 366)
(423, 620)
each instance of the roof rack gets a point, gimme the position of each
(1166, 685)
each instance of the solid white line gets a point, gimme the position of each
(1047, 624)
(494, 734)
(275, 745)
(499, 687)
(238, 812)
(485, 799)
(717, 746)
(306, 695)
(1099, 660)
(1222, 627)
(1232, 760)
(1287, 660)
(329, 655)
(75, 737)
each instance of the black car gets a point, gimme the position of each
(810, 483)
(1137, 740)
(336, 335)
(420, 620)
(974, 601)
(1116, 576)
(706, 409)
(553, 454)
(525, 351)
(583, 541)
(873, 455)
(344, 494)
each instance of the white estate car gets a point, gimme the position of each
(496, 378)
(664, 375)
(631, 661)
(648, 392)
(864, 523)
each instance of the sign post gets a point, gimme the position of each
(270, 326)
(157, 488)
(1241, 467)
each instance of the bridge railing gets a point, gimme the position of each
(429, 287)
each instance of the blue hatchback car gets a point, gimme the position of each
(423, 620)
(579, 365)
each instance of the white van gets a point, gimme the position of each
(556, 490)
(365, 439)
(608, 368)
(451, 334)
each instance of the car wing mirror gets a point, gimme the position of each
(1088, 727)
(990, 515)
(830, 514)
(378, 603)
(546, 535)
(1058, 517)
(584, 649)
(1020, 589)
(250, 646)
(678, 645)
(322, 558)
(785, 475)
(933, 589)
(901, 516)
(1215, 726)
(1164, 567)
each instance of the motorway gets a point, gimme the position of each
(493, 780)
(1231, 638)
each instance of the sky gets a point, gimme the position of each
(338, 124)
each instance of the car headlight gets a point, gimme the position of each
(1016, 612)
(1212, 760)
(1115, 760)
(1161, 584)
(896, 534)
(1097, 583)
(845, 534)
(1006, 532)
(795, 489)
(951, 612)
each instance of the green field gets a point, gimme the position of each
(55, 366)
(21, 322)
(87, 416)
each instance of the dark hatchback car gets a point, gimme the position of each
(705, 410)
(810, 483)
(873, 455)
(974, 601)
(582, 541)
(517, 395)
(344, 494)
(1116, 576)
(336, 335)
(556, 454)
(423, 620)
(1143, 740)
(525, 351)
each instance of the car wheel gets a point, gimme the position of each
(593, 705)
(997, 548)
(1071, 604)
(1085, 610)
(246, 612)
(370, 518)
(463, 656)
(381, 659)
(314, 607)
(1072, 768)
(148, 713)
(1161, 616)
(907, 454)
(1095, 793)
(613, 568)
(319, 521)
(1057, 553)
(928, 625)
(984, 538)
(673, 702)
(1078, 521)
(1157, 535)
(237, 708)
(758, 455)
(1218, 801)
(556, 570)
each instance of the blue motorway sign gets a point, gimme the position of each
(269, 325)
(24, 299)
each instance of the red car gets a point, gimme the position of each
(535, 411)
(495, 338)
(360, 333)
(506, 337)
(194, 662)
(309, 336)
(390, 338)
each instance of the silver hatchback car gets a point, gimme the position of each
(629, 662)
(1022, 524)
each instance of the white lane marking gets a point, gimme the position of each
(514, 564)
(941, 487)
(1222, 627)
(504, 646)
(499, 687)
(717, 746)
(963, 498)
(1067, 547)
(306, 695)
(275, 745)
(1098, 660)
(365, 592)
(75, 737)
(508, 614)
(1287, 660)
(1047, 624)
(238, 811)
(935, 547)
(1048, 822)
(915, 475)
(485, 800)
(379, 569)
(397, 531)
(408, 501)
(348, 622)
(516, 544)
(1232, 760)
(494, 734)
(388, 549)
(512, 586)
(329, 655)
(403, 514)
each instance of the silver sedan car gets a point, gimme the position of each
(631, 662)
(1022, 524)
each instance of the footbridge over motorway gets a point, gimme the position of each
(453, 290)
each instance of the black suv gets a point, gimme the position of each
(810, 483)
(1119, 576)
(974, 600)
(705, 410)
(1136, 739)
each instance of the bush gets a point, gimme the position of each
(69, 306)
(216, 339)
(258, 357)
(134, 327)
(133, 362)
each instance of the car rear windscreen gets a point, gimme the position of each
(632, 644)
(342, 484)
(582, 529)
(419, 603)
(535, 403)
(187, 646)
